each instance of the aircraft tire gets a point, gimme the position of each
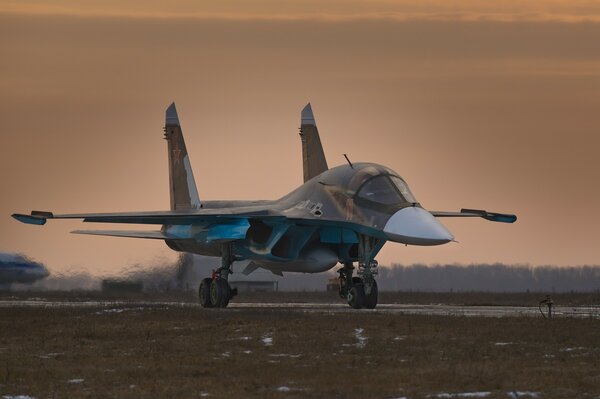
(371, 299)
(226, 290)
(204, 293)
(356, 296)
(216, 293)
(219, 293)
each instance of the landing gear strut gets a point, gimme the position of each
(215, 291)
(361, 291)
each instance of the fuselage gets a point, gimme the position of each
(317, 225)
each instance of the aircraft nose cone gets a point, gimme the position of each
(416, 226)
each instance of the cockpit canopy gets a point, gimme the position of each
(378, 185)
(386, 190)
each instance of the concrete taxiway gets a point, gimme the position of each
(412, 309)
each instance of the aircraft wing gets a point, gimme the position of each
(217, 224)
(491, 216)
(191, 217)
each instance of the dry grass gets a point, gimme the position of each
(185, 352)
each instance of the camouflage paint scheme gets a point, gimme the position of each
(343, 214)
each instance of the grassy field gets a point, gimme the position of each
(158, 351)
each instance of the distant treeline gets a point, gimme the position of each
(489, 277)
(416, 278)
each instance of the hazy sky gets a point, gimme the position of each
(483, 104)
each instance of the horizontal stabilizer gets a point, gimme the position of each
(155, 235)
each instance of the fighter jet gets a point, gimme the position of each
(343, 214)
(16, 268)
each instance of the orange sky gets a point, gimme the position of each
(483, 104)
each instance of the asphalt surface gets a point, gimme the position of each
(430, 310)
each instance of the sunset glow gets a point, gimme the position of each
(479, 104)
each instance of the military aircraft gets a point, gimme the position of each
(16, 268)
(341, 215)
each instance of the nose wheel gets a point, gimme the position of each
(372, 297)
(361, 291)
(357, 297)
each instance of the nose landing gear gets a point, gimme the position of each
(361, 291)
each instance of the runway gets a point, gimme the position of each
(327, 308)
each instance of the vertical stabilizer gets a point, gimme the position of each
(313, 157)
(184, 194)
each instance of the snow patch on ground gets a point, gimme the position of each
(503, 343)
(285, 388)
(51, 355)
(17, 397)
(523, 394)
(76, 381)
(267, 340)
(360, 338)
(290, 355)
(118, 310)
(577, 348)
(482, 394)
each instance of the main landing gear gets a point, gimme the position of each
(361, 291)
(215, 291)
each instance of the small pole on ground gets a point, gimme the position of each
(548, 302)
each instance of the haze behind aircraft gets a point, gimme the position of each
(340, 215)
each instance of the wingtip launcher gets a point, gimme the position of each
(492, 216)
(36, 217)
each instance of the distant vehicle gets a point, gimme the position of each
(344, 214)
(16, 268)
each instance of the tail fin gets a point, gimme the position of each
(184, 194)
(312, 151)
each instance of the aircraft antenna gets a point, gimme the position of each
(348, 159)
